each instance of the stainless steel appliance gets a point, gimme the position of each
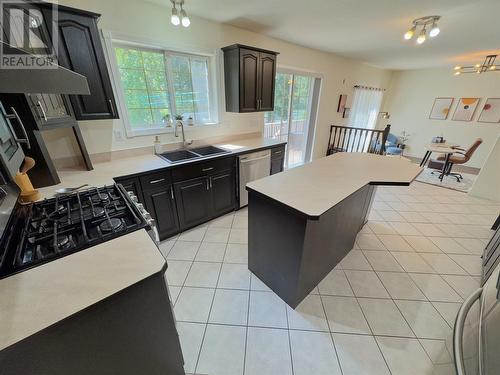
(476, 336)
(40, 232)
(253, 167)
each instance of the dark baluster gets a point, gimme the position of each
(329, 148)
(354, 140)
(371, 144)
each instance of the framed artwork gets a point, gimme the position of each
(465, 109)
(490, 111)
(347, 112)
(342, 103)
(441, 108)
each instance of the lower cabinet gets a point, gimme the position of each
(193, 201)
(277, 159)
(201, 199)
(160, 203)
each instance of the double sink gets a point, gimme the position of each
(178, 156)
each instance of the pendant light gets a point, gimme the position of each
(424, 22)
(184, 17)
(181, 17)
(174, 19)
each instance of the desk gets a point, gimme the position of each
(442, 148)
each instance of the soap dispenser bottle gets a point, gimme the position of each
(157, 145)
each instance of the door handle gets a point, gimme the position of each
(44, 115)
(156, 181)
(207, 169)
(210, 179)
(172, 192)
(256, 159)
(15, 115)
(458, 330)
(208, 185)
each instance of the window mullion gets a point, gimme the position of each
(170, 86)
(193, 103)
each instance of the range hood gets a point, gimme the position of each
(53, 80)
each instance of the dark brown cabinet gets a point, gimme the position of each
(223, 187)
(80, 49)
(277, 159)
(249, 76)
(193, 201)
(160, 203)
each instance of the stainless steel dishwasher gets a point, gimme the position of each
(253, 167)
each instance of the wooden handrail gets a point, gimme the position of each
(352, 139)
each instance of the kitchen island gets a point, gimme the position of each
(302, 222)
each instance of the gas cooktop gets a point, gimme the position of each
(53, 228)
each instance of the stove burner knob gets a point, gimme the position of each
(134, 198)
(140, 206)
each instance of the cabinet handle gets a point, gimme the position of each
(208, 185)
(156, 181)
(207, 169)
(210, 179)
(111, 105)
(172, 192)
(278, 152)
(44, 115)
(16, 116)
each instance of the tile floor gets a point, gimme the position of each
(387, 308)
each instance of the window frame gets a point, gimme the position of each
(212, 76)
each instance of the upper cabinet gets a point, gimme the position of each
(249, 75)
(80, 50)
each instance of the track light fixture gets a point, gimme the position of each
(179, 18)
(423, 22)
(488, 65)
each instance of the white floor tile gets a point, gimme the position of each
(369, 242)
(216, 234)
(448, 310)
(382, 261)
(384, 317)
(211, 252)
(359, 355)
(391, 216)
(174, 293)
(470, 263)
(225, 221)
(463, 285)
(335, 284)
(257, 284)
(230, 307)
(427, 229)
(190, 336)
(435, 288)
(413, 216)
(236, 253)
(234, 276)
(344, 315)
(413, 262)
(183, 250)
(223, 350)
(267, 310)
(238, 236)
(381, 227)
(472, 245)
(313, 353)
(193, 304)
(240, 222)
(395, 242)
(448, 245)
(437, 351)
(308, 315)
(422, 244)
(195, 234)
(405, 229)
(366, 284)
(405, 356)
(177, 271)
(442, 263)
(267, 352)
(355, 260)
(165, 247)
(401, 286)
(203, 274)
(424, 319)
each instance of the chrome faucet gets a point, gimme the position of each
(176, 133)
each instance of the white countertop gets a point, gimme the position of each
(37, 298)
(314, 188)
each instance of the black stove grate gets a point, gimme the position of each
(64, 225)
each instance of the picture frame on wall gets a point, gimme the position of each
(466, 108)
(490, 111)
(441, 108)
(342, 103)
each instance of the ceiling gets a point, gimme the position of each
(367, 30)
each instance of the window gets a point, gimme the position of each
(157, 85)
(365, 107)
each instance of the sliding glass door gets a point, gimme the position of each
(291, 119)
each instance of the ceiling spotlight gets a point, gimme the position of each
(421, 38)
(425, 23)
(409, 34)
(434, 30)
(175, 15)
(488, 65)
(185, 19)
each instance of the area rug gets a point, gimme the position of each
(449, 182)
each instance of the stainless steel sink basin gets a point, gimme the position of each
(209, 150)
(177, 156)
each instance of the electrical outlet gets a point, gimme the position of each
(118, 135)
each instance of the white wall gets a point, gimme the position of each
(148, 21)
(486, 184)
(410, 98)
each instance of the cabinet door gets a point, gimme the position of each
(249, 78)
(80, 50)
(267, 70)
(193, 202)
(50, 110)
(277, 165)
(161, 205)
(223, 188)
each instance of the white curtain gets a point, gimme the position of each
(365, 107)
